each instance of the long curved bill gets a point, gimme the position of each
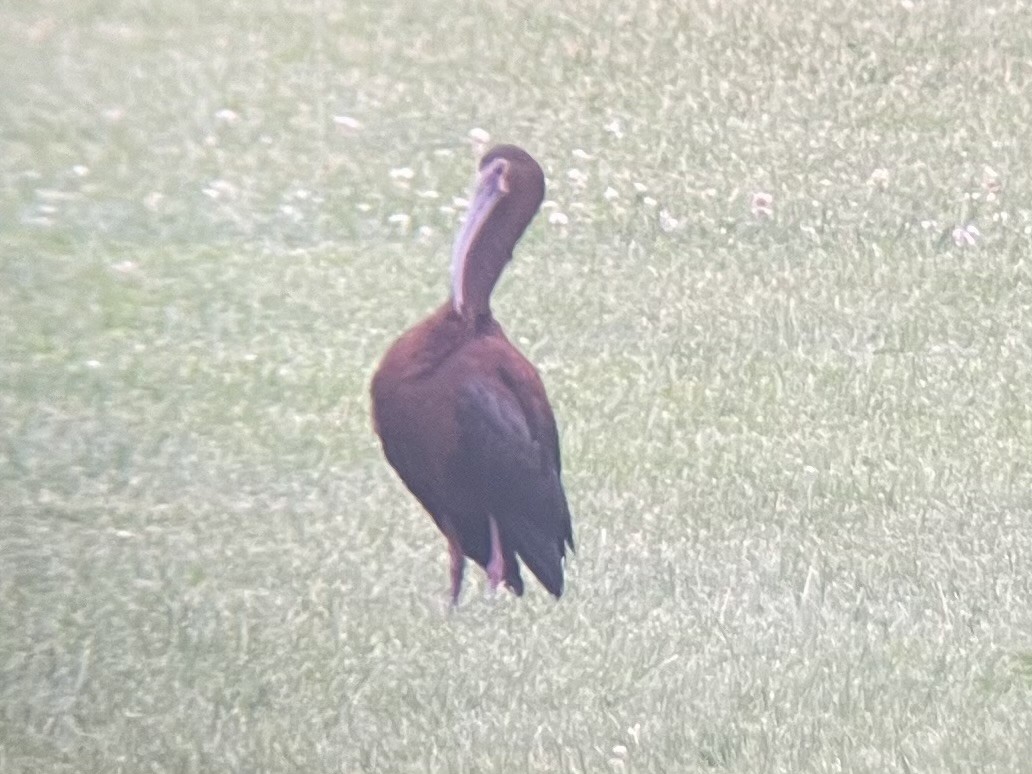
(491, 186)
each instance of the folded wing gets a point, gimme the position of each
(508, 452)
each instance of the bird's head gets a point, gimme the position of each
(509, 190)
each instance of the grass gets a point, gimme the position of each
(797, 447)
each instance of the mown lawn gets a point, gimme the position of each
(780, 293)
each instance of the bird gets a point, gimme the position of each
(463, 416)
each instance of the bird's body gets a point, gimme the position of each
(463, 417)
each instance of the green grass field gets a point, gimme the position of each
(797, 428)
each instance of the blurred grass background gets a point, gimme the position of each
(781, 295)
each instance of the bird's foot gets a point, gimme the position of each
(458, 567)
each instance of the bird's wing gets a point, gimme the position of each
(508, 450)
(404, 445)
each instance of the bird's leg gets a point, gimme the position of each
(496, 564)
(458, 566)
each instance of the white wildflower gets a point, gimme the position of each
(479, 138)
(577, 177)
(613, 127)
(153, 200)
(991, 180)
(966, 236)
(401, 220)
(762, 204)
(220, 189)
(879, 178)
(347, 122)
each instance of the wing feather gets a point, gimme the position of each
(509, 451)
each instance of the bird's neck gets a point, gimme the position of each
(481, 270)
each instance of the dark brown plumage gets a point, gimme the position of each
(463, 417)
